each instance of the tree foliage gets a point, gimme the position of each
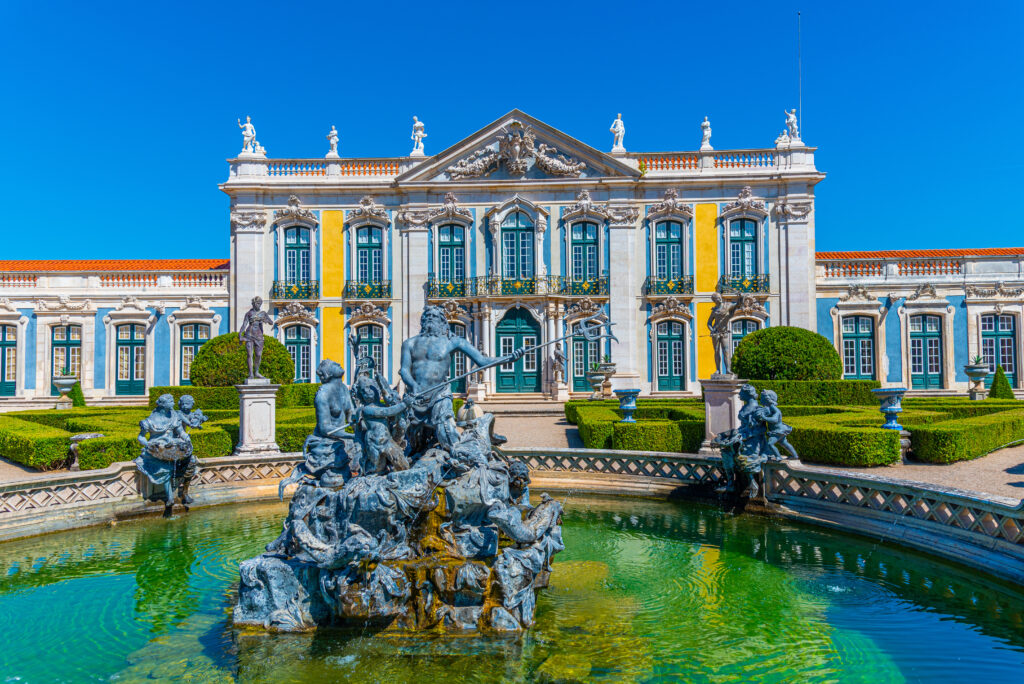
(786, 353)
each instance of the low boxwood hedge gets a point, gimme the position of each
(226, 398)
(822, 392)
(966, 438)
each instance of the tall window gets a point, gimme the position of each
(998, 346)
(584, 252)
(296, 254)
(193, 336)
(296, 341)
(458, 362)
(858, 348)
(585, 353)
(370, 342)
(131, 359)
(517, 247)
(740, 329)
(925, 352)
(671, 357)
(451, 253)
(66, 354)
(668, 250)
(743, 247)
(368, 254)
(8, 360)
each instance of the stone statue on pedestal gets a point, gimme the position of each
(558, 363)
(792, 127)
(705, 134)
(332, 140)
(251, 333)
(618, 131)
(248, 136)
(719, 322)
(418, 134)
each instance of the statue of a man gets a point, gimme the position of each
(332, 140)
(791, 124)
(618, 131)
(558, 363)
(251, 333)
(705, 134)
(248, 135)
(719, 322)
(426, 359)
(418, 134)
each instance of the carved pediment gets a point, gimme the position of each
(584, 308)
(450, 211)
(745, 205)
(518, 146)
(368, 211)
(670, 308)
(294, 312)
(367, 312)
(670, 207)
(586, 208)
(294, 213)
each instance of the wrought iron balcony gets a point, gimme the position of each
(295, 289)
(745, 283)
(668, 286)
(594, 287)
(367, 289)
(439, 290)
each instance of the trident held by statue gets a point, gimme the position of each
(591, 329)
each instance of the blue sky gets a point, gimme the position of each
(118, 116)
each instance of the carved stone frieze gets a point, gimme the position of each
(554, 164)
(670, 207)
(923, 291)
(745, 204)
(623, 215)
(785, 211)
(63, 303)
(1000, 290)
(248, 221)
(6, 305)
(516, 147)
(294, 213)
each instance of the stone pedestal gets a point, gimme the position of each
(477, 391)
(560, 391)
(721, 407)
(257, 417)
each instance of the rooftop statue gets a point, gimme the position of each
(332, 140)
(792, 127)
(251, 334)
(402, 519)
(618, 131)
(167, 463)
(705, 134)
(418, 134)
(248, 136)
(746, 448)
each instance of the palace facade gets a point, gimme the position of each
(521, 232)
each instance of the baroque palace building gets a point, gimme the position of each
(521, 232)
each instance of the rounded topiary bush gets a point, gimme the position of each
(221, 362)
(786, 353)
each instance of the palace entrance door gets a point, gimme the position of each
(518, 329)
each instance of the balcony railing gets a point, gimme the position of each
(439, 290)
(298, 289)
(367, 289)
(833, 269)
(494, 286)
(594, 287)
(744, 283)
(668, 286)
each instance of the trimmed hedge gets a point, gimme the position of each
(656, 429)
(33, 444)
(226, 398)
(822, 392)
(966, 438)
(223, 362)
(786, 353)
(1000, 388)
(76, 395)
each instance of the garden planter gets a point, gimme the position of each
(606, 387)
(627, 404)
(977, 372)
(890, 399)
(596, 380)
(64, 383)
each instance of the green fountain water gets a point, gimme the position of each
(645, 591)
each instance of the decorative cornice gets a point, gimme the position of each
(1000, 290)
(670, 207)
(450, 211)
(248, 221)
(586, 208)
(745, 205)
(294, 213)
(368, 312)
(369, 211)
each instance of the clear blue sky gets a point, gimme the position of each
(117, 117)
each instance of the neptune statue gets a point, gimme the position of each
(401, 518)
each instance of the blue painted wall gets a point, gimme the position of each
(225, 319)
(30, 348)
(960, 355)
(99, 364)
(824, 308)
(162, 349)
(894, 343)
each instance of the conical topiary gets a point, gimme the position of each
(1000, 388)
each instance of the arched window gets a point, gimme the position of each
(925, 352)
(517, 247)
(370, 342)
(296, 341)
(858, 348)
(743, 247)
(131, 359)
(671, 356)
(458, 363)
(584, 252)
(451, 253)
(742, 327)
(296, 255)
(998, 346)
(66, 352)
(668, 250)
(585, 353)
(8, 360)
(192, 337)
(368, 254)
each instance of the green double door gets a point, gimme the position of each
(518, 329)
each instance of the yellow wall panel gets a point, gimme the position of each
(705, 348)
(332, 277)
(333, 327)
(706, 238)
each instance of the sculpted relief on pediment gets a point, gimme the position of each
(516, 150)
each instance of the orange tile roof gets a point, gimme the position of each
(90, 265)
(922, 253)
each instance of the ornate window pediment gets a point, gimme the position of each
(456, 313)
(450, 212)
(294, 214)
(584, 308)
(368, 312)
(585, 208)
(368, 212)
(671, 208)
(745, 205)
(670, 308)
(294, 312)
(497, 214)
(131, 309)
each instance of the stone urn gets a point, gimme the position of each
(64, 383)
(596, 379)
(608, 368)
(977, 372)
(627, 404)
(891, 399)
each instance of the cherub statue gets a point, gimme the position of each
(166, 455)
(379, 425)
(777, 431)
